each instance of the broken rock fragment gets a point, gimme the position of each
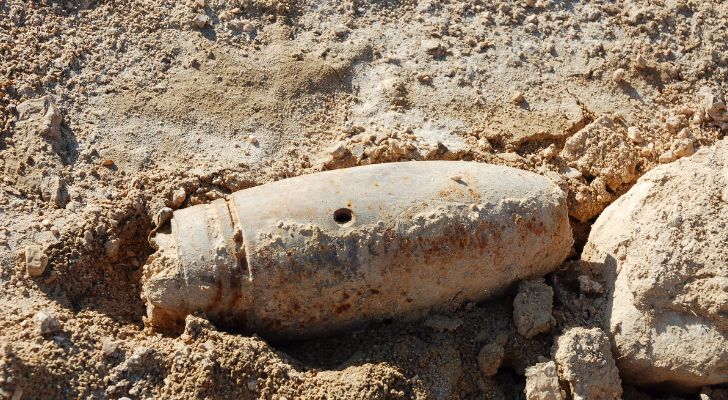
(323, 252)
(712, 107)
(162, 215)
(601, 149)
(490, 356)
(53, 191)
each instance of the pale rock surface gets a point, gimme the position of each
(664, 251)
(46, 323)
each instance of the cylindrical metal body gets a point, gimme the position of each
(323, 252)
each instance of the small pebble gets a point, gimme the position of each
(112, 247)
(178, 197)
(686, 111)
(252, 139)
(673, 123)
(109, 346)
(572, 173)
(683, 148)
(107, 163)
(52, 276)
(667, 157)
(618, 75)
(490, 358)
(588, 286)
(341, 31)
(518, 98)
(200, 21)
(339, 152)
(456, 178)
(433, 47)
(35, 260)
(640, 62)
(45, 323)
(226, 16)
(162, 216)
(633, 133)
(550, 152)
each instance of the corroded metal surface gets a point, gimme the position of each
(323, 252)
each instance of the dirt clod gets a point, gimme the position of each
(581, 352)
(163, 215)
(490, 356)
(532, 307)
(542, 382)
(201, 21)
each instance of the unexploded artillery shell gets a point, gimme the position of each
(323, 252)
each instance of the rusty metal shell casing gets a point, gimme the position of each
(323, 252)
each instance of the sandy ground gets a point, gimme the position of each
(207, 97)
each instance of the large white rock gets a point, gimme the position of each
(664, 250)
